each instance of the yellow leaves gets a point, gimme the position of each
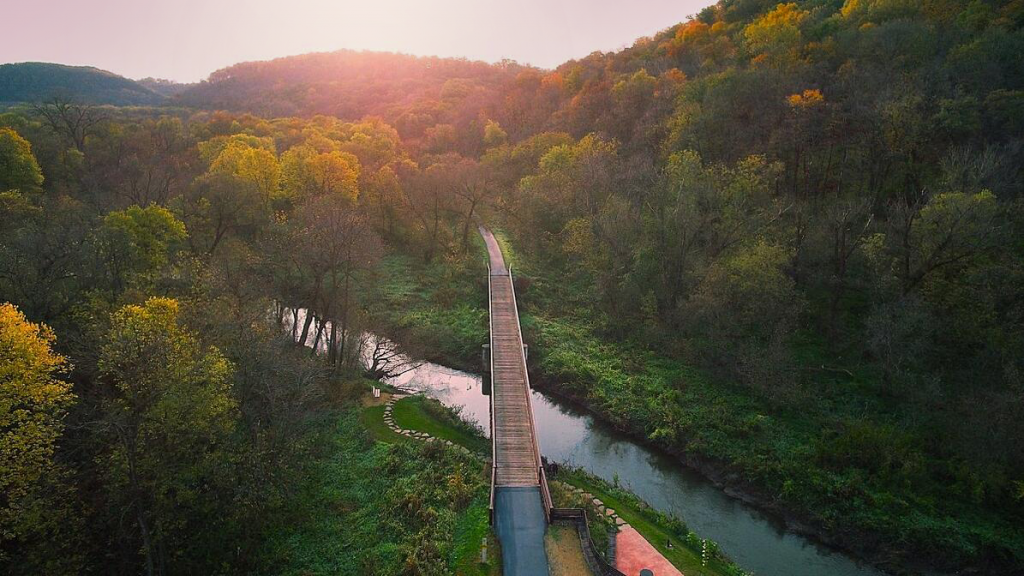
(307, 173)
(688, 33)
(776, 36)
(32, 404)
(25, 353)
(18, 166)
(141, 238)
(160, 313)
(258, 166)
(808, 99)
(210, 149)
(336, 173)
(850, 7)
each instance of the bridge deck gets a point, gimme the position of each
(520, 500)
(514, 434)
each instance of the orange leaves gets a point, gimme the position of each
(808, 99)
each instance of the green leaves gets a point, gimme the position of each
(136, 242)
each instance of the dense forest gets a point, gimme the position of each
(784, 241)
(35, 81)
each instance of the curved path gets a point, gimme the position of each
(520, 501)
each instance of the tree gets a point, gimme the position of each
(494, 135)
(220, 205)
(168, 413)
(334, 244)
(747, 306)
(428, 199)
(18, 167)
(33, 404)
(257, 166)
(136, 242)
(847, 225)
(776, 36)
(926, 236)
(307, 173)
(74, 122)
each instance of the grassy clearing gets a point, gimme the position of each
(368, 507)
(428, 415)
(438, 310)
(372, 419)
(473, 528)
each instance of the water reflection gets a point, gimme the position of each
(753, 540)
(567, 435)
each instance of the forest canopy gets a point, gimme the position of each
(789, 238)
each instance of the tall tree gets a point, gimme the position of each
(33, 403)
(168, 412)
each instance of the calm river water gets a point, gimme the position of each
(567, 435)
(750, 538)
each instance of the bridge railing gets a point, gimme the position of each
(542, 477)
(490, 358)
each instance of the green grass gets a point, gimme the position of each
(656, 528)
(438, 309)
(469, 536)
(368, 507)
(428, 415)
(372, 419)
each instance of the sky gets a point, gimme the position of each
(186, 40)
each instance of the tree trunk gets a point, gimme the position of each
(319, 333)
(305, 327)
(332, 342)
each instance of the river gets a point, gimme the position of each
(752, 539)
(756, 542)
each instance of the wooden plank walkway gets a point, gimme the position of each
(514, 434)
(516, 450)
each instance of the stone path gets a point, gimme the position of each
(389, 419)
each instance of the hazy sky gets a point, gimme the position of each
(185, 40)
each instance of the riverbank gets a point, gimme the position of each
(418, 414)
(756, 453)
(671, 537)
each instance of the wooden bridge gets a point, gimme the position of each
(520, 500)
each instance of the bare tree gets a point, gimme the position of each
(336, 244)
(70, 119)
(384, 358)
